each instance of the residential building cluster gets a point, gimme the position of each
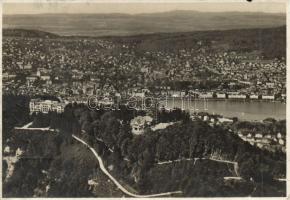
(75, 68)
(266, 141)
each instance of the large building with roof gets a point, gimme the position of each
(44, 106)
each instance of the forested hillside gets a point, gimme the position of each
(269, 42)
(137, 160)
(26, 33)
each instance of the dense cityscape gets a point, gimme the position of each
(77, 68)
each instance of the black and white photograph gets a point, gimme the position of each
(144, 99)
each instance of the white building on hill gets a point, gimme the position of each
(138, 124)
(44, 106)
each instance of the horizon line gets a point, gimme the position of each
(144, 13)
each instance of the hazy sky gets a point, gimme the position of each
(133, 8)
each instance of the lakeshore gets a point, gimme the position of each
(244, 110)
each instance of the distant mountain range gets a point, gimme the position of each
(117, 24)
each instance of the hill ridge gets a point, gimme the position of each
(119, 24)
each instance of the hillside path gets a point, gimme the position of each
(105, 171)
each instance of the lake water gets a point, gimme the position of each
(244, 110)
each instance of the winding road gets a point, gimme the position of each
(236, 166)
(124, 190)
(27, 127)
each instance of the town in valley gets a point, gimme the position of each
(176, 113)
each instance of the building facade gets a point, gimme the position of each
(44, 106)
